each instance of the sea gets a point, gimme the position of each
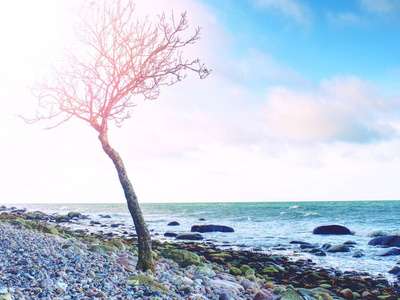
(266, 227)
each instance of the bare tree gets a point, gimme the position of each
(116, 57)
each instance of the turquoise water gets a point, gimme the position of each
(267, 226)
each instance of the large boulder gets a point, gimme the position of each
(390, 240)
(211, 228)
(332, 229)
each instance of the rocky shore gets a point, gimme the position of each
(42, 260)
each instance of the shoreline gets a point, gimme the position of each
(260, 274)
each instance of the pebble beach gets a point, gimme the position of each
(40, 261)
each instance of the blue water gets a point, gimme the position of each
(267, 226)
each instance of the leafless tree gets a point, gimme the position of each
(116, 59)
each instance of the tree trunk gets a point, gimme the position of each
(145, 261)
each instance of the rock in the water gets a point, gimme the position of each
(395, 270)
(331, 229)
(358, 254)
(184, 258)
(105, 216)
(173, 223)
(388, 252)
(62, 218)
(189, 236)
(319, 253)
(338, 248)
(350, 243)
(391, 240)
(211, 228)
(170, 234)
(74, 214)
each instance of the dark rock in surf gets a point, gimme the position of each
(211, 228)
(395, 270)
(202, 219)
(391, 240)
(308, 246)
(299, 243)
(357, 254)
(74, 214)
(170, 234)
(332, 229)
(61, 218)
(189, 236)
(389, 252)
(38, 215)
(173, 223)
(105, 216)
(18, 211)
(350, 243)
(338, 248)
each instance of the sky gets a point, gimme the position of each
(302, 104)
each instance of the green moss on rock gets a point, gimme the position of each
(184, 258)
(269, 270)
(235, 271)
(103, 249)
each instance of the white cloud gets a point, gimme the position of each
(378, 7)
(290, 9)
(344, 109)
(346, 18)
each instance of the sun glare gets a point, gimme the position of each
(29, 31)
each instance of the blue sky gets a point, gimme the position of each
(302, 104)
(318, 39)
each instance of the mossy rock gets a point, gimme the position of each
(250, 272)
(347, 294)
(18, 222)
(235, 271)
(222, 255)
(49, 229)
(289, 294)
(184, 258)
(73, 214)
(90, 240)
(269, 270)
(141, 279)
(201, 270)
(325, 286)
(244, 268)
(103, 249)
(62, 218)
(117, 243)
